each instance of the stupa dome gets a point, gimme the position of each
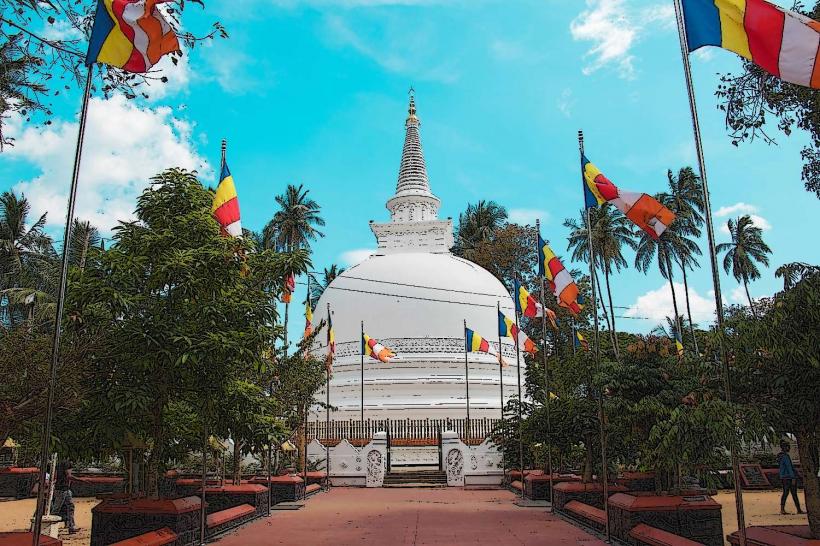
(414, 296)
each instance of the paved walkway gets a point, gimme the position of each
(396, 517)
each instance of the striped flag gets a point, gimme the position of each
(225, 206)
(130, 34)
(375, 350)
(781, 42)
(290, 287)
(678, 345)
(645, 211)
(580, 341)
(507, 328)
(526, 304)
(331, 344)
(308, 319)
(561, 282)
(477, 344)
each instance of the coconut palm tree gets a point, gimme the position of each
(84, 237)
(794, 272)
(318, 286)
(477, 224)
(294, 225)
(611, 232)
(685, 199)
(27, 258)
(746, 248)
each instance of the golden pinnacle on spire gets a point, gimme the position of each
(411, 108)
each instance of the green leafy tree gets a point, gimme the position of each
(755, 103)
(776, 370)
(319, 285)
(187, 312)
(84, 237)
(746, 248)
(294, 224)
(794, 272)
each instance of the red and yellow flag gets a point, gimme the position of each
(225, 207)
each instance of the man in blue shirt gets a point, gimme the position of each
(788, 476)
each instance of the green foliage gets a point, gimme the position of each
(293, 226)
(187, 313)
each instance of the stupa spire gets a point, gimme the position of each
(414, 225)
(413, 195)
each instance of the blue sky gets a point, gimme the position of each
(314, 92)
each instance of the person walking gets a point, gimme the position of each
(63, 503)
(788, 477)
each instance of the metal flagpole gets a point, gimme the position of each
(362, 381)
(710, 233)
(466, 384)
(202, 510)
(55, 342)
(546, 367)
(328, 366)
(520, 399)
(501, 382)
(601, 414)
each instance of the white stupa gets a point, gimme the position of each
(413, 296)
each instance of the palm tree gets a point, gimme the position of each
(293, 226)
(794, 272)
(84, 237)
(611, 232)
(746, 248)
(685, 199)
(318, 286)
(478, 224)
(26, 257)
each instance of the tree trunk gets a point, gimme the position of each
(588, 458)
(606, 314)
(612, 312)
(748, 297)
(808, 445)
(689, 312)
(674, 297)
(237, 462)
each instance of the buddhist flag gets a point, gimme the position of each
(580, 341)
(507, 328)
(678, 345)
(642, 209)
(308, 319)
(225, 207)
(290, 286)
(477, 344)
(561, 282)
(130, 34)
(781, 42)
(375, 350)
(552, 318)
(526, 304)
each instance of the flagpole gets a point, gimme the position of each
(520, 400)
(546, 365)
(466, 383)
(327, 396)
(710, 233)
(55, 342)
(601, 414)
(362, 351)
(501, 382)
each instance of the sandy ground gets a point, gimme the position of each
(760, 508)
(438, 516)
(16, 516)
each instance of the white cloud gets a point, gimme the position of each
(178, 77)
(356, 256)
(656, 305)
(742, 209)
(125, 145)
(566, 102)
(527, 216)
(613, 30)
